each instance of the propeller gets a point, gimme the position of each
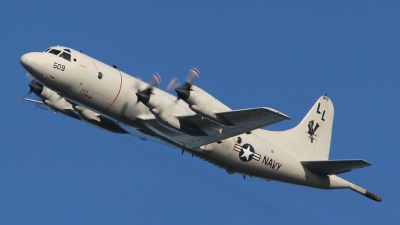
(184, 91)
(174, 83)
(126, 105)
(144, 95)
(34, 85)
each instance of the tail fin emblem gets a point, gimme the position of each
(312, 129)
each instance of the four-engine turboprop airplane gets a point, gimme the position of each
(72, 83)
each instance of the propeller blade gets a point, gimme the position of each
(155, 81)
(30, 77)
(134, 83)
(127, 104)
(174, 83)
(193, 75)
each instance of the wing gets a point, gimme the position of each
(206, 131)
(329, 167)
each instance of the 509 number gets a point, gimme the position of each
(59, 66)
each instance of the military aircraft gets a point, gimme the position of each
(83, 88)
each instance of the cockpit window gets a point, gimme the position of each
(47, 50)
(67, 50)
(55, 51)
(66, 56)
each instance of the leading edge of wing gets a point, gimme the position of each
(330, 167)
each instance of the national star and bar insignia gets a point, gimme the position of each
(246, 152)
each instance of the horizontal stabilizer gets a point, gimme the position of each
(329, 167)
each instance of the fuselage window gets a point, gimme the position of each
(66, 56)
(55, 51)
(67, 50)
(47, 50)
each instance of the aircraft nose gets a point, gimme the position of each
(33, 62)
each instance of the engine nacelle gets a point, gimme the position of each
(53, 100)
(204, 104)
(98, 120)
(59, 104)
(163, 107)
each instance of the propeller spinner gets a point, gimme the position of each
(184, 91)
(144, 95)
(35, 87)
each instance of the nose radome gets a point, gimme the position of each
(25, 59)
(33, 61)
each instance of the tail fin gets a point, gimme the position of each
(311, 139)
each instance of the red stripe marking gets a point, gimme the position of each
(120, 85)
(157, 77)
(237, 148)
(195, 71)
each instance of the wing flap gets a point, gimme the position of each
(329, 167)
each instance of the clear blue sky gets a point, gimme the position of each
(280, 54)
